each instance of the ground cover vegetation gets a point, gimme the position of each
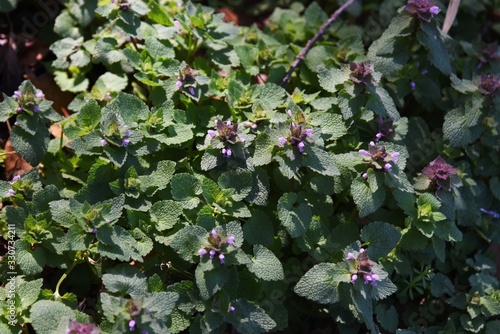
(196, 187)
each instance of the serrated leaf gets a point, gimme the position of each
(387, 317)
(368, 195)
(330, 124)
(319, 161)
(188, 241)
(265, 265)
(320, 283)
(295, 217)
(249, 318)
(264, 146)
(461, 126)
(210, 281)
(27, 293)
(241, 181)
(186, 188)
(49, 317)
(125, 280)
(129, 107)
(329, 78)
(259, 229)
(381, 103)
(31, 261)
(165, 214)
(433, 39)
(116, 243)
(31, 147)
(381, 237)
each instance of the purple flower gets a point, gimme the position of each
(191, 91)
(19, 110)
(81, 328)
(440, 172)
(214, 233)
(282, 141)
(395, 156)
(231, 308)
(226, 152)
(11, 192)
(308, 132)
(221, 258)
(36, 108)
(178, 84)
(17, 95)
(301, 146)
(131, 325)
(16, 177)
(365, 153)
(127, 133)
(177, 24)
(39, 95)
(350, 256)
(202, 251)
(104, 142)
(489, 85)
(365, 176)
(434, 10)
(354, 277)
(490, 212)
(147, 310)
(212, 253)
(379, 135)
(424, 72)
(361, 72)
(413, 85)
(230, 240)
(125, 142)
(212, 133)
(94, 230)
(424, 9)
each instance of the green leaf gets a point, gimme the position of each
(129, 107)
(107, 83)
(158, 14)
(259, 229)
(387, 317)
(89, 116)
(295, 217)
(265, 265)
(186, 188)
(264, 147)
(8, 6)
(31, 147)
(331, 77)
(165, 214)
(434, 40)
(381, 237)
(319, 161)
(461, 125)
(116, 243)
(240, 180)
(27, 293)
(330, 124)
(249, 318)
(381, 103)
(125, 280)
(49, 317)
(210, 280)
(364, 306)
(188, 241)
(369, 194)
(320, 283)
(31, 261)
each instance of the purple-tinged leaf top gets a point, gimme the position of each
(75, 327)
(490, 84)
(361, 72)
(439, 172)
(424, 9)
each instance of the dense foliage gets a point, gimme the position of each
(193, 190)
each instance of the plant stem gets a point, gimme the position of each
(313, 40)
(63, 277)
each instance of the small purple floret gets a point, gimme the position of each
(221, 258)
(491, 212)
(131, 325)
(231, 308)
(212, 253)
(125, 142)
(230, 240)
(301, 146)
(202, 251)
(282, 141)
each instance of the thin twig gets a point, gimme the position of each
(313, 40)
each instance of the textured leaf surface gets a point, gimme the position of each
(320, 283)
(265, 264)
(296, 217)
(382, 238)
